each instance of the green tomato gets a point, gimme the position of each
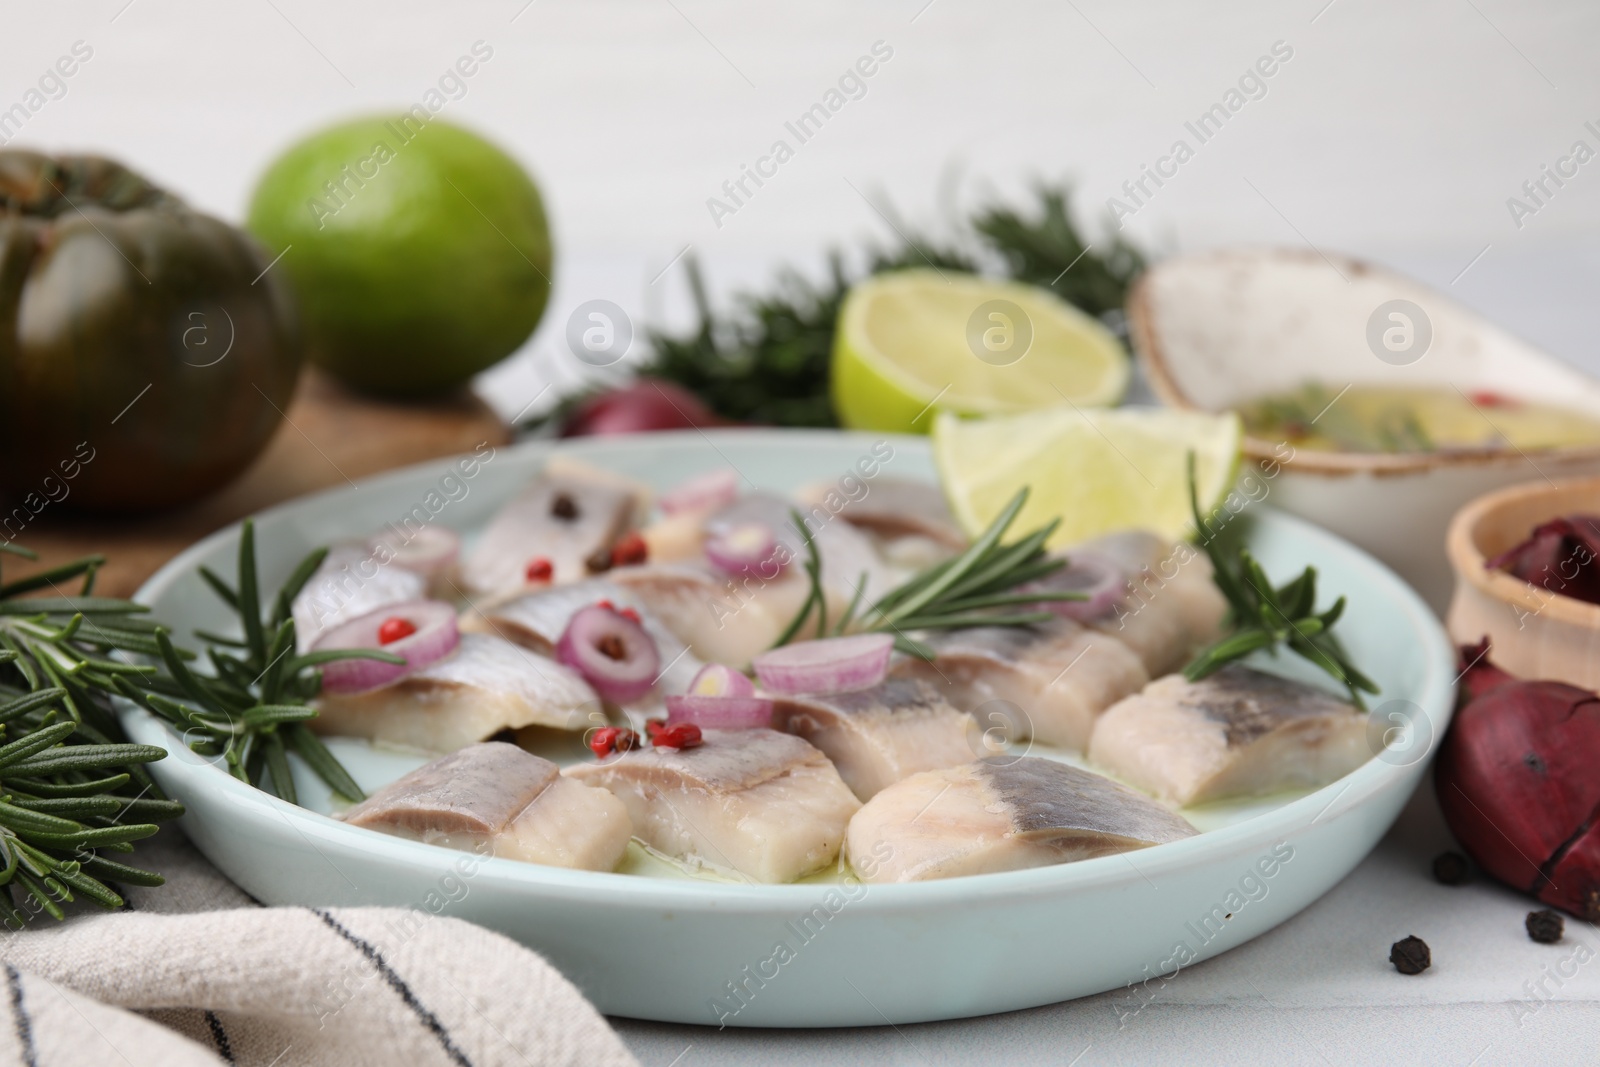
(146, 352)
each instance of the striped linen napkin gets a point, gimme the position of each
(197, 973)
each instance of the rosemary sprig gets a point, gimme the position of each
(1266, 616)
(71, 789)
(960, 592)
(253, 708)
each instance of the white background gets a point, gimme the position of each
(1396, 132)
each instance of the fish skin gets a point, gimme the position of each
(526, 527)
(1002, 813)
(894, 508)
(498, 798)
(761, 803)
(536, 619)
(337, 593)
(1059, 675)
(485, 686)
(877, 736)
(1238, 732)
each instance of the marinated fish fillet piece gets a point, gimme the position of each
(1176, 579)
(1003, 813)
(1058, 675)
(759, 802)
(894, 508)
(565, 515)
(877, 736)
(721, 619)
(350, 582)
(1171, 607)
(536, 620)
(497, 798)
(1153, 631)
(846, 552)
(486, 685)
(1238, 732)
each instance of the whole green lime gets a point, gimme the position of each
(420, 251)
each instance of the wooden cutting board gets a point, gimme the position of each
(330, 437)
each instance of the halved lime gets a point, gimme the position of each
(913, 342)
(1098, 471)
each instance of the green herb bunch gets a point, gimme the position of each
(252, 709)
(73, 793)
(1268, 616)
(767, 361)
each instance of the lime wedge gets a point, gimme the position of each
(1098, 471)
(913, 342)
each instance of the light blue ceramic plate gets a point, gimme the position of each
(817, 955)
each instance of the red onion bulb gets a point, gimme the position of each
(716, 680)
(435, 636)
(747, 548)
(829, 665)
(720, 713)
(1100, 579)
(612, 651)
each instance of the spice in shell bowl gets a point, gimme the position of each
(1373, 406)
(1535, 629)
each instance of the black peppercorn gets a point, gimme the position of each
(1451, 868)
(564, 507)
(1544, 926)
(599, 561)
(1410, 955)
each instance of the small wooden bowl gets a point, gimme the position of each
(1533, 631)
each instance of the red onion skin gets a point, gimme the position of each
(1516, 780)
(1560, 556)
(642, 406)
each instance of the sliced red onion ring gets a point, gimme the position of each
(1100, 579)
(720, 713)
(747, 548)
(715, 680)
(702, 492)
(611, 651)
(829, 665)
(436, 637)
(429, 551)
